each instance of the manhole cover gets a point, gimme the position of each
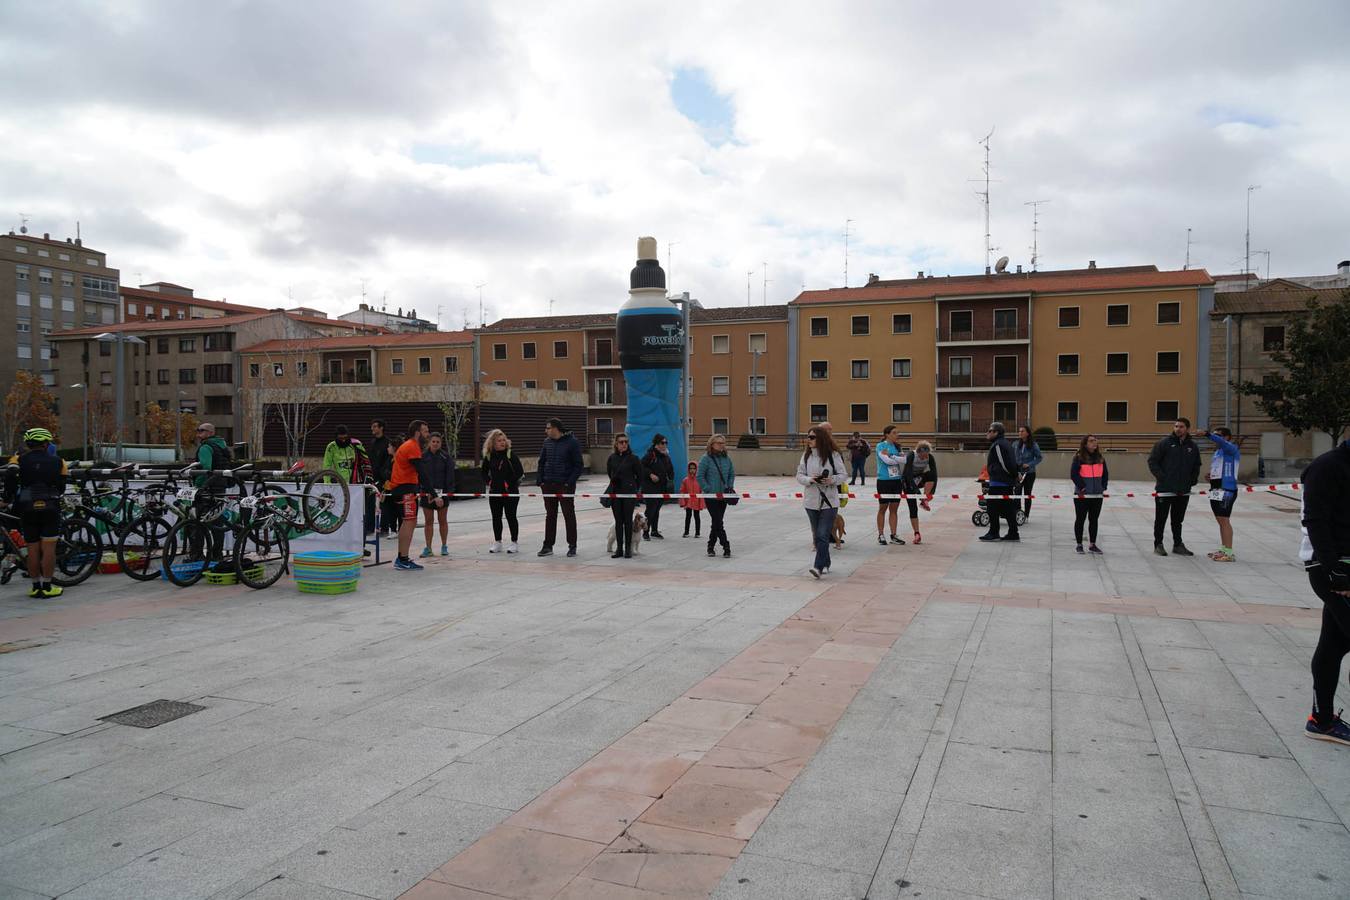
(156, 712)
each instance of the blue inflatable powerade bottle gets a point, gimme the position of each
(651, 352)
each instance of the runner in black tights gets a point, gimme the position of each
(1326, 555)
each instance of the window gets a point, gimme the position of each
(26, 352)
(187, 376)
(721, 385)
(900, 413)
(820, 369)
(21, 273)
(902, 368)
(902, 323)
(45, 253)
(1068, 364)
(424, 365)
(758, 425)
(302, 368)
(529, 384)
(1068, 317)
(560, 349)
(1005, 324)
(1066, 411)
(1117, 364)
(1167, 411)
(604, 356)
(23, 298)
(560, 384)
(1169, 313)
(164, 312)
(820, 327)
(45, 301)
(108, 315)
(499, 383)
(1169, 362)
(819, 412)
(958, 367)
(757, 384)
(962, 323)
(335, 371)
(396, 366)
(1005, 371)
(958, 416)
(218, 374)
(25, 326)
(105, 378)
(1118, 314)
(220, 406)
(759, 343)
(721, 343)
(862, 324)
(187, 345)
(719, 426)
(363, 371)
(604, 391)
(1117, 411)
(499, 351)
(528, 350)
(90, 261)
(161, 376)
(220, 340)
(604, 426)
(1272, 338)
(161, 345)
(44, 276)
(68, 304)
(857, 413)
(860, 368)
(105, 348)
(451, 364)
(20, 248)
(254, 370)
(1005, 411)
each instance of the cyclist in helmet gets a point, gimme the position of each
(34, 483)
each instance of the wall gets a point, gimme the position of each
(544, 369)
(384, 370)
(736, 365)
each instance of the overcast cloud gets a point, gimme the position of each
(259, 150)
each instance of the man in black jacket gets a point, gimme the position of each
(381, 467)
(1002, 465)
(559, 468)
(1175, 464)
(1326, 556)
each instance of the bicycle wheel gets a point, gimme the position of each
(78, 552)
(185, 551)
(326, 501)
(140, 550)
(263, 554)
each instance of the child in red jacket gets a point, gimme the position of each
(692, 504)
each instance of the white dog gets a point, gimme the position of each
(639, 523)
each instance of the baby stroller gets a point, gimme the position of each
(980, 517)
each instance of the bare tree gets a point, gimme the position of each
(456, 403)
(288, 393)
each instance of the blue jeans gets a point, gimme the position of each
(822, 527)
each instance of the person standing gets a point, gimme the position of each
(1223, 469)
(1001, 464)
(717, 475)
(820, 471)
(626, 476)
(858, 451)
(691, 502)
(1325, 552)
(213, 456)
(890, 484)
(34, 483)
(658, 478)
(340, 454)
(381, 451)
(919, 476)
(1175, 464)
(559, 468)
(1029, 456)
(403, 489)
(1089, 476)
(502, 474)
(436, 481)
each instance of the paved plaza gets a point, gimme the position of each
(952, 720)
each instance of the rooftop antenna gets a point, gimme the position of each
(481, 320)
(77, 231)
(23, 223)
(765, 300)
(1247, 266)
(1188, 250)
(384, 302)
(550, 306)
(748, 276)
(984, 198)
(1267, 253)
(438, 317)
(669, 267)
(1035, 230)
(848, 230)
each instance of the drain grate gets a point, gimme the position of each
(156, 712)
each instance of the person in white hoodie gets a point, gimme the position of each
(890, 467)
(820, 472)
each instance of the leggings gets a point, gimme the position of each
(693, 514)
(717, 509)
(1177, 507)
(654, 516)
(1025, 488)
(507, 505)
(1332, 645)
(1089, 508)
(623, 508)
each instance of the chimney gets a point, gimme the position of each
(79, 243)
(920, 275)
(69, 241)
(1019, 268)
(46, 236)
(1092, 264)
(987, 270)
(1343, 267)
(873, 278)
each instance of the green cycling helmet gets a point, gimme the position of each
(37, 434)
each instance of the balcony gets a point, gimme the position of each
(347, 377)
(984, 333)
(949, 382)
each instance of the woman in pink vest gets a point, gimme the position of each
(1088, 472)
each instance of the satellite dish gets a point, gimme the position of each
(1002, 265)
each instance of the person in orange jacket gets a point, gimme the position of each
(691, 503)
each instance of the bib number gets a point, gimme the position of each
(1217, 495)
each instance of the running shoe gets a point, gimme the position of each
(923, 504)
(513, 547)
(881, 539)
(445, 550)
(896, 539)
(495, 547)
(1093, 548)
(1079, 548)
(53, 590)
(815, 573)
(426, 552)
(36, 593)
(407, 565)
(1223, 556)
(1337, 732)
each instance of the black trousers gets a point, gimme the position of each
(507, 506)
(1002, 509)
(717, 531)
(623, 509)
(653, 515)
(1165, 506)
(569, 512)
(1332, 645)
(1089, 508)
(693, 514)
(1024, 488)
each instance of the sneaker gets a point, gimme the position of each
(426, 552)
(726, 552)
(658, 536)
(571, 551)
(712, 552)
(815, 573)
(1223, 556)
(52, 590)
(445, 550)
(1093, 548)
(495, 547)
(545, 551)
(1078, 549)
(1180, 550)
(406, 564)
(923, 504)
(513, 547)
(1158, 550)
(895, 539)
(686, 534)
(1011, 537)
(1337, 732)
(881, 539)
(36, 593)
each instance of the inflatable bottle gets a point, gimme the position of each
(651, 354)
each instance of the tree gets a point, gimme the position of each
(289, 393)
(162, 428)
(456, 404)
(27, 405)
(1313, 393)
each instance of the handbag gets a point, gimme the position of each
(606, 501)
(734, 498)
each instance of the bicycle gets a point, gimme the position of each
(140, 547)
(78, 551)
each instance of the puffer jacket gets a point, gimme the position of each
(560, 461)
(716, 474)
(1175, 465)
(625, 471)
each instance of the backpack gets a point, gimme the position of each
(221, 456)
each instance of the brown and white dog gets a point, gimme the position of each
(639, 524)
(838, 531)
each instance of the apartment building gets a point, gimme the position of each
(164, 300)
(1113, 351)
(366, 314)
(391, 360)
(48, 286)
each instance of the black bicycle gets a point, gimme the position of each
(78, 551)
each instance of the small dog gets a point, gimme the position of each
(838, 531)
(639, 524)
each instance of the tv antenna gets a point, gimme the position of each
(1247, 266)
(848, 230)
(1267, 255)
(550, 301)
(1188, 250)
(1035, 230)
(748, 276)
(481, 321)
(765, 300)
(670, 267)
(989, 247)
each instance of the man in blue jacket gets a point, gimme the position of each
(559, 468)
(1223, 469)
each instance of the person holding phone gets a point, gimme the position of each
(820, 472)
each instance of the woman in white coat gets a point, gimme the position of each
(820, 472)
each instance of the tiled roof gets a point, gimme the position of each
(1072, 281)
(737, 313)
(1279, 300)
(357, 341)
(161, 325)
(552, 323)
(140, 294)
(32, 238)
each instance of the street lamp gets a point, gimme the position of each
(119, 339)
(80, 384)
(178, 427)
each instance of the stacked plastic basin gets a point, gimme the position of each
(326, 571)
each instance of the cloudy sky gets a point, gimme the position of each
(259, 150)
